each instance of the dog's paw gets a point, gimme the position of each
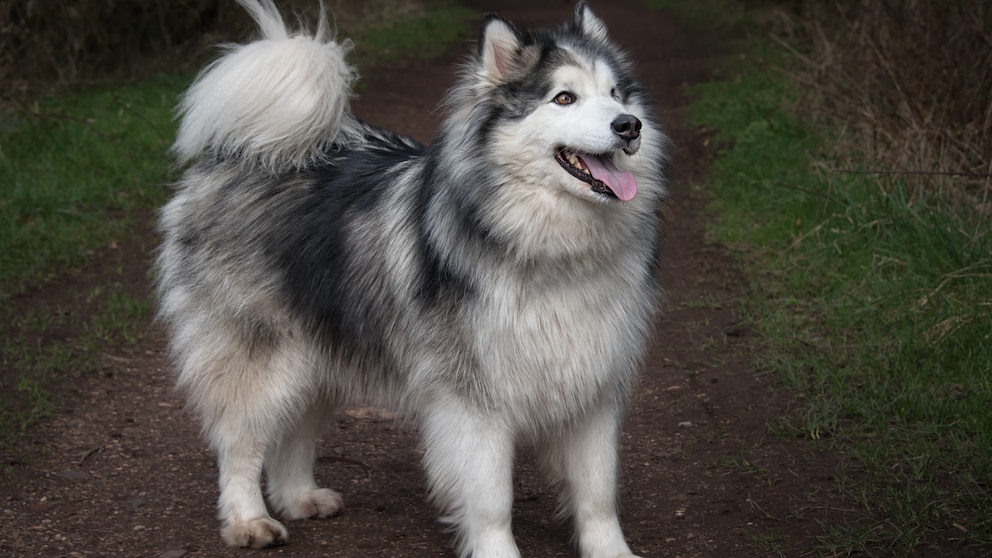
(321, 502)
(256, 533)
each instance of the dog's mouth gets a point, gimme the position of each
(599, 172)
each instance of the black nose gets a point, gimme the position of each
(627, 126)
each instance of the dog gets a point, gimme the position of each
(497, 287)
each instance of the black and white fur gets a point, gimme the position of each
(483, 285)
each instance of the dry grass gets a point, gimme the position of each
(910, 84)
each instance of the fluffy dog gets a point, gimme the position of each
(497, 286)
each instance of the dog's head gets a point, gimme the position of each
(558, 109)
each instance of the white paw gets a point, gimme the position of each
(256, 533)
(321, 502)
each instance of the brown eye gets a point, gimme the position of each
(564, 98)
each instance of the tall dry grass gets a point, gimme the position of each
(910, 84)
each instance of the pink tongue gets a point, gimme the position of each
(623, 184)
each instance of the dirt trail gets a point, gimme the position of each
(125, 473)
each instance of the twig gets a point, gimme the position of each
(959, 274)
(87, 455)
(127, 107)
(911, 172)
(814, 230)
(73, 118)
(810, 192)
(985, 195)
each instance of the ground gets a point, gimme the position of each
(121, 470)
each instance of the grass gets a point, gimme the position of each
(873, 294)
(425, 36)
(80, 175)
(877, 309)
(75, 174)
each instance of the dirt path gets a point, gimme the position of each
(125, 473)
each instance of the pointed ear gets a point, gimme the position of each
(588, 23)
(498, 47)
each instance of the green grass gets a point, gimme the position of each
(876, 307)
(76, 172)
(705, 15)
(425, 36)
(82, 173)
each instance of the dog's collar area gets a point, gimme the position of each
(610, 182)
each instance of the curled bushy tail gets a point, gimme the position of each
(279, 102)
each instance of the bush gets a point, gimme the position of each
(63, 42)
(911, 82)
(57, 44)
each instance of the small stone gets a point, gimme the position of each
(41, 507)
(75, 475)
(685, 424)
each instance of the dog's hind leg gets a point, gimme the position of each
(246, 399)
(289, 471)
(241, 507)
(469, 462)
(582, 460)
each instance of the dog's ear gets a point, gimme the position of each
(588, 23)
(499, 46)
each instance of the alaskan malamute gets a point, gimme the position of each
(498, 286)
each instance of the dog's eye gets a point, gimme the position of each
(564, 98)
(615, 94)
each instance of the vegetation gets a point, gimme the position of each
(54, 46)
(853, 170)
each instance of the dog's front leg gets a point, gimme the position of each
(469, 462)
(582, 460)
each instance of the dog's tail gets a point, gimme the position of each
(279, 102)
